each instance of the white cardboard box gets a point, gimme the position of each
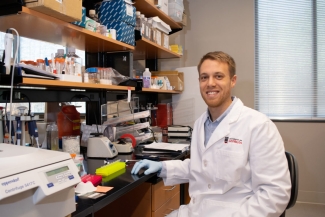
(165, 40)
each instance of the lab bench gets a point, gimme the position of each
(136, 194)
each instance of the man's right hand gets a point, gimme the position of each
(151, 166)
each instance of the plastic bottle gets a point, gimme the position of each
(85, 77)
(93, 15)
(74, 62)
(60, 53)
(143, 25)
(146, 32)
(138, 21)
(146, 78)
(52, 138)
(68, 121)
(59, 61)
(92, 75)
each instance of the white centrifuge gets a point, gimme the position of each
(36, 182)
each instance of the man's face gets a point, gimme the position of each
(215, 83)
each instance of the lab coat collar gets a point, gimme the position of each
(224, 127)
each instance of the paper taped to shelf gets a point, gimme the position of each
(68, 11)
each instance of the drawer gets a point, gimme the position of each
(161, 194)
(167, 207)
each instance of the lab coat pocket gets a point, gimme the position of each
(229, 165)
(212, 208)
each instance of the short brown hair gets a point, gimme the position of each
(221, 57)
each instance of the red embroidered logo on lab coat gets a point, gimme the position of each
(233, 140)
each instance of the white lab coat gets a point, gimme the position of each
(246, 177)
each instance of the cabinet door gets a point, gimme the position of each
(135, 203)
(168, 207)
(161, 194)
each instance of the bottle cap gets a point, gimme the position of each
(60, 51)
(92, 70)
(137, 13)
(147, 69)
(92, 12)
(71, 50)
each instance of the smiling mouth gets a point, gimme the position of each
(212, 93)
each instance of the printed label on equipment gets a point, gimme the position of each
(16, 184)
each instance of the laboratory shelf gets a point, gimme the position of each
(160, 91)
(146, 49)
(35, 25)
(150, 10)
(68, 84)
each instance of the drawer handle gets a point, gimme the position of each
(172, 188)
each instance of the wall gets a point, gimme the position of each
(229, 26)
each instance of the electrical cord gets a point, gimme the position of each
(153, 134)
(12, 79)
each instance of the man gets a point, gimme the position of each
(238, 166)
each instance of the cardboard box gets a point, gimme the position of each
(66, 10)
(124, 32)
(81, 23)
(165, 40)
(175, 78)
(116, 10)
(158, 37)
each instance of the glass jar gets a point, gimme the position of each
(92, 75)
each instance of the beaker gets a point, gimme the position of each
(71, 144)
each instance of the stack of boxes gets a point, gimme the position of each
(118, 15)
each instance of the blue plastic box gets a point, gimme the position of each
(124, 32)
(116, 10)
(81, 23)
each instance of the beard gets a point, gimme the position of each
(217, 101)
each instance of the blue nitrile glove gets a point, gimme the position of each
(151, 166)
